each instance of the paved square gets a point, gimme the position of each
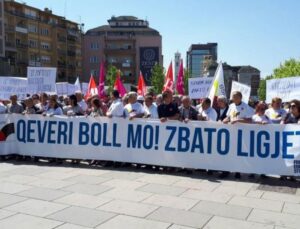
(45, 196)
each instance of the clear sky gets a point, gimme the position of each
(261, 33)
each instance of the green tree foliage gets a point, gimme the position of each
(111, 75)
(158, 78)
(186, 77)
(289, 68)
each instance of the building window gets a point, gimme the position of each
(30, 13)
(45, 59)
(94, 59)
(94, 46)
(45, 45)
(33, 44)
(32, 28)
(44, 31)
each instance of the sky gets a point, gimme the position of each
(260, 33)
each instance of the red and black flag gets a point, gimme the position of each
(6, 131)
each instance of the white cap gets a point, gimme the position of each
(140, 98)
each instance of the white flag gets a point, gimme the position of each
(217, 87)
(77, 85)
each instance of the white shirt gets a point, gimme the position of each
(260, 118)
(210, 114)
(152, 111)
(116, 109)
(2, 108)
(83, 105)
(52, 111)
(133, 109)
(275, 115)
(241, 111)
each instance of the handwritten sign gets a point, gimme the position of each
(13, 85)
(41, 79)
(243, 88)
(199, 87)
(62, 88)
(286, 88)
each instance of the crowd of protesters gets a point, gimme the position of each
(164, 107)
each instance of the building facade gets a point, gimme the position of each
(128, 43)
(2, 47)
(177, 59)
(35, 37)
(199, 57)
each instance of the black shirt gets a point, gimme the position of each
(167, 110)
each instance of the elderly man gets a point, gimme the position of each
(14, 106)
(116, 108)
(81, 101)
(186, 111)
(133, 109)
(222, 108)
(206, 112)
(150, 107)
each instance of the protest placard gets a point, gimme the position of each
(199, 87)
(243, 88)
(13, 85)
(41, 79)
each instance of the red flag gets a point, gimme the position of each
(119, 85)
(169, 84)
(92, 88)
(141, 88)
(180, 82)
(101, 88)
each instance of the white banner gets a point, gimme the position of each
(249, 148)
(41, 79)
(199, 87)
(286, 88)
(84, 88)
(13, 85)
(243, 88)
(62, 88)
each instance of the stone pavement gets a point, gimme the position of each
(46, 196)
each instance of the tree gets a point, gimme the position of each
(262, 88)
(158, 78)
(186, 77)
(110, 79)
(290, 68)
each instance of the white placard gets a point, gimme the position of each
(286, 88)
(84, 88)
(41, 79)
(243, 88)
(13, 85)
(199, 87)
(62, 88)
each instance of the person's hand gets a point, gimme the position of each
(186, 120)
(234, 121)
(163, 119)
(44, 114)
(131, 118)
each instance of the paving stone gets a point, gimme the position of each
(36, 207)
(128, 208)
(89, 189)
(122, 175)
(257, 203)
(171, 201)
(19, 179)
(129, 222)
(12, 188)
(255, 194)
(124, 194)
(196, 184)
(281, 197)
(90, 172)
(71, 226)
(162, 189)
(175, 226)
(210, 196)
(83, 200)
(8, 199)
(87, 179)
(56, 175)
(274, 218)
(218, 222)
(21, 221)
(181, 217)
(43, 193)
(126, 184)
(220, 209)
(158, 179)
(5, 214)
(231, 190)
(50, 183)
(82, 216)
(291, 208)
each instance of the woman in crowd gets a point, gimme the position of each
(96, 110)
(53, 108)
(293, 116)
(74, 109)
(259, 117)
(30, 107)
